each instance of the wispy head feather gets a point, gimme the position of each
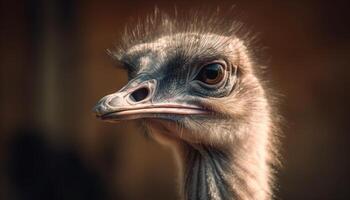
(160, 24)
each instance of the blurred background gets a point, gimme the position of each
(54, 69)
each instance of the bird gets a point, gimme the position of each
(195, 85)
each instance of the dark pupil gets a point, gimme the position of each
(211, 71)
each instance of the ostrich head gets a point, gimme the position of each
(194, 87)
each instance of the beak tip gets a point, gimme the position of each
(97, 110)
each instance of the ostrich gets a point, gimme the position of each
(193, 84)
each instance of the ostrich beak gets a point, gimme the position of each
(135, 102)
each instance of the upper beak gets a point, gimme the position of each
(137, 101)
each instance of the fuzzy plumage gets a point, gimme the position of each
(230, 154)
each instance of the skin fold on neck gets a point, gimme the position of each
(205, 174)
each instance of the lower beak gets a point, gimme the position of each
(153, 111)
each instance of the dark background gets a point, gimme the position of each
(54, 69)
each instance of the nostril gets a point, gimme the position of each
(139, 94)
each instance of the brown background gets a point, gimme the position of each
(54, 69)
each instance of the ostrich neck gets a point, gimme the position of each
(235, 170)
(212, 174)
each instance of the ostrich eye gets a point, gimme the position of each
(211, 74)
